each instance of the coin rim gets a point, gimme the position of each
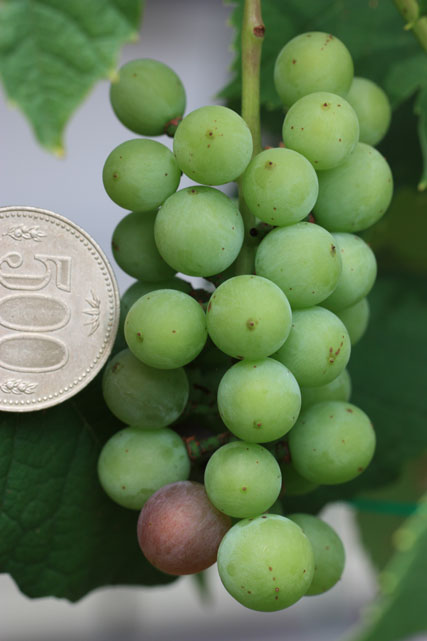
(75, 389)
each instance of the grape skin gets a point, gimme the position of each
(134, 463)
(359, 271)
(179, 530)
(329, 553)
(242, 479)
(140, 174)
(318, 347)
(141, 395)
(373, 109)
(337, 390)
(213, 145)
(266, 563)
(302, 260)
(134, 248)
(323, 127)
(166, 329)
(280, 186)
(312, 61)
(146, 96)
(199, 231)
(259, 401)
(332, 442)
(356, 319)
(248, 317)
(355, 195)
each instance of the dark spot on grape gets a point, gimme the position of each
(338, 105)
(251, 324)
(244, 488)
(339, 140)
(302, 128)
(327, 547)
(276, 589)
(274, 209)
(293, 61)
(263, 517)
(350, 411)
(276, 598)
(115, 175)
(126, 451)
(333, 250)
(360, 469)
(123, 487)
(174, 331)
(139, 335)
(115, 246)
(314, 449)
(270, 568)
(292, 127)
(249, 592)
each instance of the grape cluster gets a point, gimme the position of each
(267, 350)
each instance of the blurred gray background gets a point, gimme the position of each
(200, 52)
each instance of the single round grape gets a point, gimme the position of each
(213, 145)
(141, 395)
(266, 563)
(140, 288)
(179, 530)
(248, 317)
(146, 96)
(323, 127)
(356, 319)
(373, 109)
(355, 195)
(312, 61)
(259, 401)
(134, 248)
(337, 390)
(332, 442)
(329, 553)
(140, 174)
(280, 186)
(293, 483)
(242, 479)
(359, 271)
(318, 347)
(302, 260)
(134, 463)
(199, 231)
(166, 329)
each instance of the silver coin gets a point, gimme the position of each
(59, 309)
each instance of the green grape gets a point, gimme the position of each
(323, 127)
(355, 195)
(146, 96)
(280, 186)
(294, 484)
(140, 174)
(213, 145)
(302, 260)
(179, 530)
(329, 553)
(242, 479)
(134, 463)
(373, 109)
(312, 61)
(134, 248)
(248, 317)
(318, 347)
(332, 442)
(259, 401)
(356, 319)
(140, 395)
(266, 563)
(199, 231)
(337, 390)
(359, 271)
(166, 329)
(140, 288)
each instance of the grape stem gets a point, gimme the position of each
(415, 21)
(252, 38)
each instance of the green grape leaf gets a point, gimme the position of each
(374, 33)
(52, 52)
(381, 512)
(387, 369)
(60, 535)
(399, 611)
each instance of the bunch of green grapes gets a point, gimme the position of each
(270, 347)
